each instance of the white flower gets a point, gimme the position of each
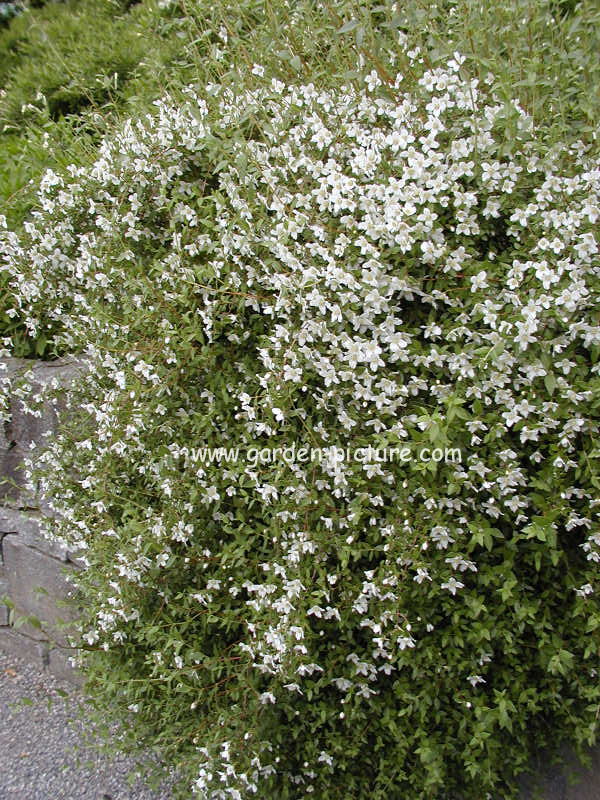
(373, 80)
(475, 679)
(325, 758)
(452, 585)
(422, 574)
(293, 687)
(479, 281)
(211, 495)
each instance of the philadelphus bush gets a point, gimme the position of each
(369, 265)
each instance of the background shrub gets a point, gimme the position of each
(68, 71)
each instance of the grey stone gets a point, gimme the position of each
(57, 663)
(12, 478)
(27, 526)
(24, 428)
(4, 611)
(39, 652)
(17, 644)
(26, 571)
(25, 432)
(4, 443)
(11, 365)
(43, 372)
(568, 782)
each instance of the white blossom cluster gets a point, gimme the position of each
(392, 274)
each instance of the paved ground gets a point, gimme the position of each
(37, 757)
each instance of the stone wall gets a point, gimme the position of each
(32, 570)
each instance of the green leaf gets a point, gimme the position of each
(348, 26)
(550, 382)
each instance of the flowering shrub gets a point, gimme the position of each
(344, 267)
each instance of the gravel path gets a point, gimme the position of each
(37, 759)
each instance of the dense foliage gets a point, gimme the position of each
(393, 256)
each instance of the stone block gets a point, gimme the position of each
(24, 432)
(12, 478)
(4, 611)
(567, 782)
(40, 654)
(25, 428)
(57, 662)
(17, 644)
(27, 526)
(22, 427)
(27, 571)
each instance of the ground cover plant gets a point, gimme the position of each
(391, 254)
